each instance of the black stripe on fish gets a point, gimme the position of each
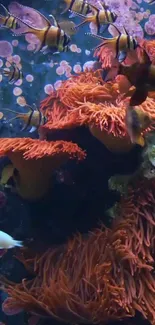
(117, 45)
(106, 15)
(45, 35)
(87, 8)
(44, 119)
(97, 22)
(71, 5)
(83, 5)
(13, 25)
(134, 44)
(58, 36)
(6, 20)
(28, 122)
(128, 41)
(12, 76)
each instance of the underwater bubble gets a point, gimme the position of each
(149, 28)
(6, 49)
(68, 68)
(21, 101)
(77, 68)
(57, 84)
(32, 39)
(87, 52)
(29, 78)
(17, 91)
(31, 47)
(19, 82)
(79, 50)
(64, 63)
(48, 89)
(60, 70)
(73, 48)
(15, 42)
(88, 65)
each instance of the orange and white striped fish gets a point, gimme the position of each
(78, 6)
(12, 74)
(120, 44)
(100, 17)
(33, 118)
(52, 38)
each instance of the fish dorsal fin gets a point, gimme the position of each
(30, 107)
(116, 28)
(28, 25)
(94, 9)
(54, 21)
(6, 11)
(145, 59)
(104, 5)
(48, 23)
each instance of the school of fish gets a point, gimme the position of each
(55, 37)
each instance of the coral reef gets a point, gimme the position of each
(107, 275)
(35, 161)
(88, 100)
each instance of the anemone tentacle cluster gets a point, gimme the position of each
(107, 275)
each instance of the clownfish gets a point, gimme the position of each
(141, 75)
(99, 17)
(52, 38)
(121, 44)
(151, 2)
(6, 241)
(14, 74)
(136, 121)
(9, 20)
(78, 6)
(33, 118)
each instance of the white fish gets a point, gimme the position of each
(6, 241)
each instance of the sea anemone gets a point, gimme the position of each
(88, 100)
(105, 276)
(35, 160)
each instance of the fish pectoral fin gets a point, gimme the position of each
(33, 129)
(139, 96)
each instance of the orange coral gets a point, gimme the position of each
(149, 46)
(108, 275)
(35, 160)
(96, 104)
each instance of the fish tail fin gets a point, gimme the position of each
(18, 243)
